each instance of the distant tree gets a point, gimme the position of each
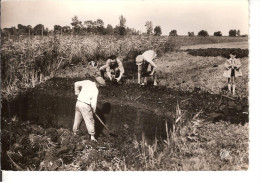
(157, 31)
(76, 24)
(66, 29)
(149, 27)
(238, 33)
(116, 30)
(4, 32)
(173, 33)
(89, 24)
(8, 31)
(132, 31)
(122, 21)
(109, 30)
(100, 26)
(218, 33)
(122, 25)
(94, 27)
(203, 33)
(232, 33)
(22, 29)
(38, 29)
(46, 31)
(191, 34)
(29, 29)
(57, 29)
(11, 30)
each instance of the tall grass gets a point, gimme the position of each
(197, 145)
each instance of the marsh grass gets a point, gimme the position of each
(30, 61)
(198, 145)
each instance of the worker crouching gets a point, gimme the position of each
(113, 68)
(146, 67)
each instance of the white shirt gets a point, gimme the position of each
(149, 55)
(87, 92)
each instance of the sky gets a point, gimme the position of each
(182, 15)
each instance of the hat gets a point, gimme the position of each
(100, 81)
(139, 59)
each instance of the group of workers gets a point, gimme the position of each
(114, 68)
(87, 90)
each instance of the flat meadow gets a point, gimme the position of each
(185, 72)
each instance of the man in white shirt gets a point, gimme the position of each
(146, 66)
(87, 92)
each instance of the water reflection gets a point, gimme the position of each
(58, 111)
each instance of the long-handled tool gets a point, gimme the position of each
(98, 118)
(112, 134)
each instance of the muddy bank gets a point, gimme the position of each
(43, 116)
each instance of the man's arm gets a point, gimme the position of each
(154, 67)
(108, 69)
(121, 68)
(77, 87)
(93, 101)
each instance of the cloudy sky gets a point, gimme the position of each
(183, 15)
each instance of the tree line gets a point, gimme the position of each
(98, 27)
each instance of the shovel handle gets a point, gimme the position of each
(100, 120)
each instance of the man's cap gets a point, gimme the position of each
(100, 81)
(139, 59)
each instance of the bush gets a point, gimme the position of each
(173, 33)
(191, 34)
(232, 33)
(157, 31)
(218, 33)
(203, 33)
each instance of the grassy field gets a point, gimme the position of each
(185, 72)
(27, 62)
(192, 143)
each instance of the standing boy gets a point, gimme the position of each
(232, 71)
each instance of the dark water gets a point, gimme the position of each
(58, 111)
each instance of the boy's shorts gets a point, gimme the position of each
(233, 72)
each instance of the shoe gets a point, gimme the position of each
(155, 84)
(93, 139)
